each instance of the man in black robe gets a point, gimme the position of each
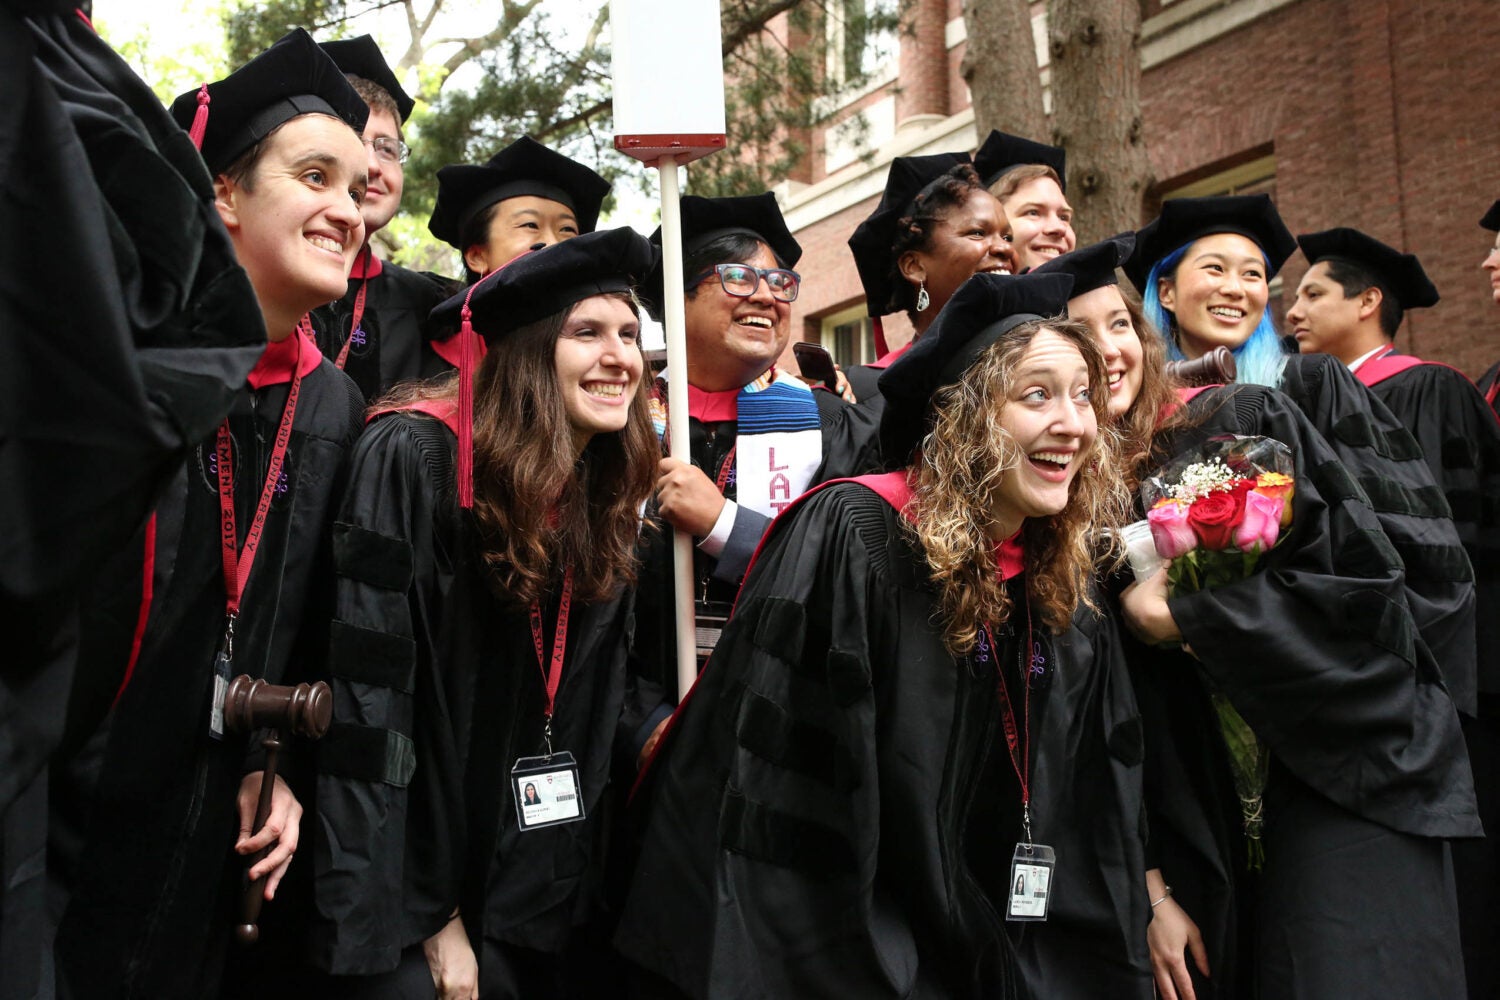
(375, 332)
(126, 329)
(146, 851)
(1350, 304)
(1490, 383)
(759, 438)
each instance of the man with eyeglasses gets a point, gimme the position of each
(759, 439)
(374, 333)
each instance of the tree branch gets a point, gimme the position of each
(754, 23)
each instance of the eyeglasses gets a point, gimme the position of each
(388, 150)
(741, 280)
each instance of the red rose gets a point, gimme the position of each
(1215, 516)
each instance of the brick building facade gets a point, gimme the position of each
(1377, 114)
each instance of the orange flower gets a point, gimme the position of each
(1278, 486)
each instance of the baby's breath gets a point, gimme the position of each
(1200, 479)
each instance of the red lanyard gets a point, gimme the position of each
(1020, 752)
(553, 676)
(359, 312)
(236, 563)
(1489, 396)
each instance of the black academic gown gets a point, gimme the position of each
(392, 343)
(833, 812)
(154, 887)
(1487, 386)
(1460, 439)
(1407, 497)
(126, 329)
(850, 447)
(1318, 652)
(437, 692)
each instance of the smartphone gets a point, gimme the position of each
(815, 363)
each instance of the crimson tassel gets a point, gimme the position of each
(200, 119)
(880, 348)
(466, 410)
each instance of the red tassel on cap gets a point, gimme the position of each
(468, 356)
(466, 408)
(880, 348)
(200, 119)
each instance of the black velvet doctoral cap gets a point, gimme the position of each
(1001, 151)
(523, 168)
(707, 219)
(1400, 272)
(873, 239)
(1184, 220)
(1491, 220)
(293, 77)
(362, 57)
(1093, 266)
(984, 308)
(547, 281)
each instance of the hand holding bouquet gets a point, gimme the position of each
(1213, 512)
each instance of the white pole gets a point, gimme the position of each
(675, 325)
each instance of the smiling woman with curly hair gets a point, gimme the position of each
(915, 705)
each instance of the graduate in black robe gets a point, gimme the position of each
(759, 436)
(1320, 654)
(1490, 383)
(144, 841)
(1350, 305)
(375, 333)
(523, 198)
(441, 673)
(916, 249)
(834, 810)
(126, 329)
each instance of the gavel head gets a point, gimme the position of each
(1217, 367)
(251, 703)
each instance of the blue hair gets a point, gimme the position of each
(1260, 359)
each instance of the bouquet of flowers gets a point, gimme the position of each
(1213, 512)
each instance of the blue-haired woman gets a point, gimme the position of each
(1204, 269)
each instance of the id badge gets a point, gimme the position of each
(546, 790)
(221, 690)
(1031, 873)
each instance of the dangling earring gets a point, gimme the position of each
(923, 299)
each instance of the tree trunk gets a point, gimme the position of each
(1096, 112)
(1000, 68)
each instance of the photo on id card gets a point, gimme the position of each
(546, 791)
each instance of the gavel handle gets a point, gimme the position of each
(248, 931)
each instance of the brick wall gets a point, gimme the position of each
(1382, 116)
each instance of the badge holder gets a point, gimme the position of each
(546, 788)
(1031, 871)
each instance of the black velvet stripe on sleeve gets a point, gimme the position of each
(369, 557)
(366, 753)
(369, 656)
(764, 833)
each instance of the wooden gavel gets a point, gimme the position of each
(1217, 367)
(250, 704)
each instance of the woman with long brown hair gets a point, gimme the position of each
(478, 650)
(916, 708)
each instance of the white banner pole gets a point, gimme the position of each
(675, 325)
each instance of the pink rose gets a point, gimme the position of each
(1262, 523)
(1171, 531)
